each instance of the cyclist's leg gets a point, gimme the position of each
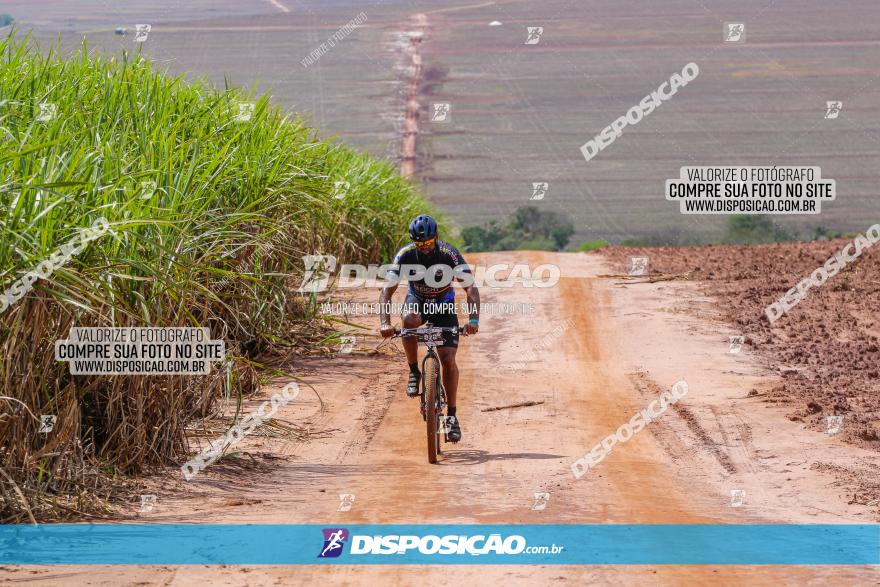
(450, 372)
(450, 383)
(411, 319)
(446, 353)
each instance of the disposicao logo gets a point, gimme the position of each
(334, 540)
(404, 544)
(472, 545)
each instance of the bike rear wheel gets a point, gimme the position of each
(431, 395)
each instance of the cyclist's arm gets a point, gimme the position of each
(385, 302)
(392, 280)
(473, 294)
(473, 301)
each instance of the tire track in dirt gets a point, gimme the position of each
(373, 412)
(649, 388)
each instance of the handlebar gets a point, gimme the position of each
(428, 329)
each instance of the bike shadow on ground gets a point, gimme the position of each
(477, 457)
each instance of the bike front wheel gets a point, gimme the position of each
(431, 395)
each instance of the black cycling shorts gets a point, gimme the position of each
(437, 313)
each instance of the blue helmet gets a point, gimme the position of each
(422, 228)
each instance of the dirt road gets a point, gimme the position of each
(411, 116)
(623, 344)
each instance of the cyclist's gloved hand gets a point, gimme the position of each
(386, 331)
(472, 327)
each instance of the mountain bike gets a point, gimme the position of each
(433, 396)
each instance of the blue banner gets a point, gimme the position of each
(563, 544)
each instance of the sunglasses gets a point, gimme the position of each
(426, 243)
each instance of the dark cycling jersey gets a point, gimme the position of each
(443, 254)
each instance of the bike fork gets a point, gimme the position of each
(441, 409)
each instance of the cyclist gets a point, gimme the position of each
(434, 304)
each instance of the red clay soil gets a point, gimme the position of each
(826, 349)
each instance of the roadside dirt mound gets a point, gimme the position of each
(826, 349)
